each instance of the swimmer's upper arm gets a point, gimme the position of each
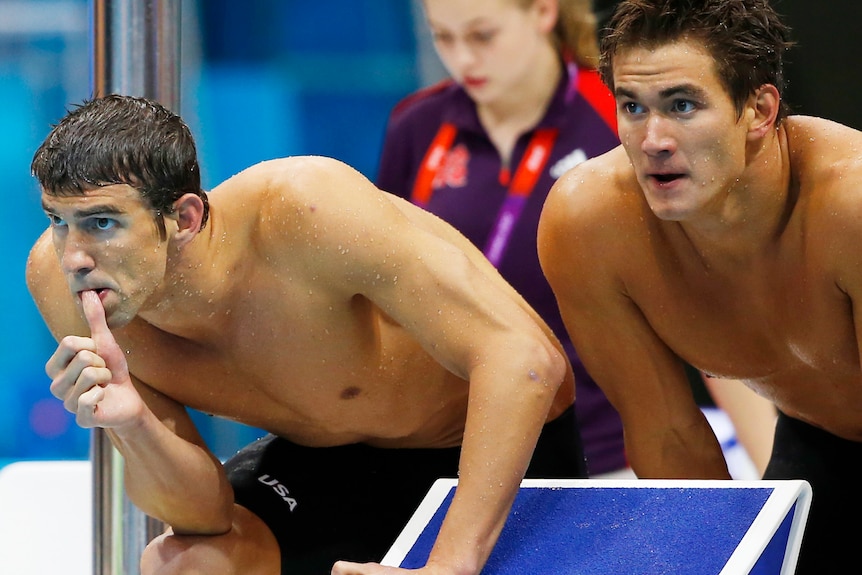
(838, 232)
(581, 260)
(585, 249)
(579, 264)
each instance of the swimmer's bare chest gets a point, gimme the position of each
(316, 375)
(782, 325)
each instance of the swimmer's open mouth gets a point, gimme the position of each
(666, 178)
(97, 291)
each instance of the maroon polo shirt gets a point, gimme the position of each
(469, 188)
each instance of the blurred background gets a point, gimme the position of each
(262, 79)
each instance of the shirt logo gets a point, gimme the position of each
(568, 162)
(453, 170)
(280, 490)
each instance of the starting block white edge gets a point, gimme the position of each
(785, 494)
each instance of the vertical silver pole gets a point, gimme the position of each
(135, 51)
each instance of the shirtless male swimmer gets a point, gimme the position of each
(723, 233)
(372, 340)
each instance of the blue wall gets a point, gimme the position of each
(298, 77)
(37, 75)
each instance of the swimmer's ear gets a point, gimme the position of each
(765, 104)
(188, 214)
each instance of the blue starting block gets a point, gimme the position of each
(631, 527)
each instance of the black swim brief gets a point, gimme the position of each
(351, 502)
(833, 467)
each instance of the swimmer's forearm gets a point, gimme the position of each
(174, 480)
(692, 452)
(485, 493)
(505, 417)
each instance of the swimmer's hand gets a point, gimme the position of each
(90, 374)
(348, 568)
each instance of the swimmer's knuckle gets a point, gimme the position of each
(57, 391)
(69, 343)
(71, 404)
(92, 375)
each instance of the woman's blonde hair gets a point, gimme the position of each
(576, 33)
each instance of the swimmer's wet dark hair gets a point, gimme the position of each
(746, 38)
(121, 140)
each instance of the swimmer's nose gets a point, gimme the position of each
(74, 256)
(657, 138)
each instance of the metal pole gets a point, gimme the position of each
(135, 51)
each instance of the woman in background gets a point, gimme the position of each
(482, 149)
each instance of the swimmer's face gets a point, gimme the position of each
(490, 47)
(679, 126)
(108, 240)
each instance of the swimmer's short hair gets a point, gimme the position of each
(746, 38)
(121, 140)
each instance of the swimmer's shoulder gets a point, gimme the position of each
(823, 151)
(587, 215)
(594, 192)
(300, 204)
(282, 192)
(826, 164)
(284, 180)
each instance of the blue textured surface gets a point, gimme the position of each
(621, 531)
(774, 553)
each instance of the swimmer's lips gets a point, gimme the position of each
(98, 291)
(666, 178)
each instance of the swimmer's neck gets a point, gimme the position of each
(751, 217)
(198, 288)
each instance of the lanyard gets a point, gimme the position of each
(523, 183)
(424, 186)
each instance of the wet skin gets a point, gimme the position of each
(716, 238)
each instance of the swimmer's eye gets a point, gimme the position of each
(103, 224)
(683, 106)
(56, 221)
(632, 108)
